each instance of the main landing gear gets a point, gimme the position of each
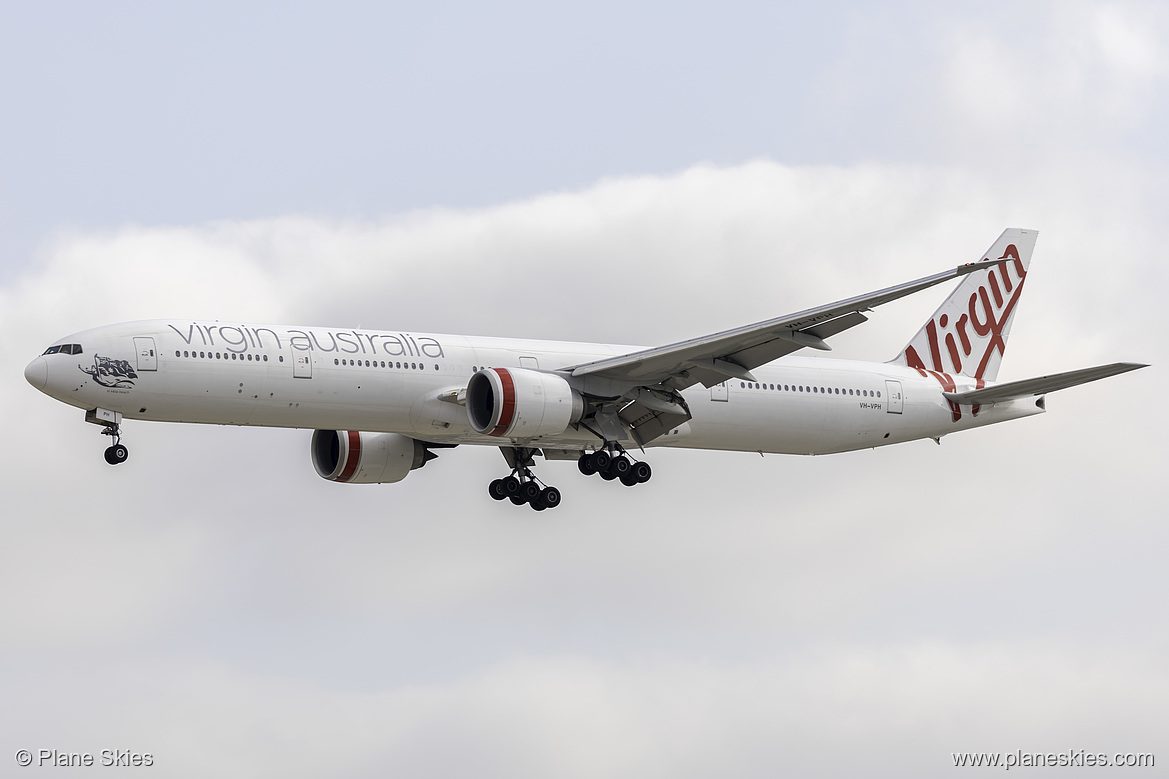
(116, 453)
(614, 465)
(522, 486)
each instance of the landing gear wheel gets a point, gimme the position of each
(116, 454)
(549, 497)
(511, 486)
(585, 464)
(601, 460)
(530, 492)
(607, 475)
(517, 500)
(629, 480)
(495, 489)
(620, 466)
(641, 472)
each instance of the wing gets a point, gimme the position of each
(712, 359)
(1040, 385)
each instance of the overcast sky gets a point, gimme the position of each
(631, 173)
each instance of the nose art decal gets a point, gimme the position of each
(109, 372)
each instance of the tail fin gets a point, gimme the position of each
(967, 335)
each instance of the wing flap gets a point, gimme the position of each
(1040, 385)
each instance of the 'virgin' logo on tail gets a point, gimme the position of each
(987, 312)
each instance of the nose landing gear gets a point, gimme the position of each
(116, 453)
(111, 422)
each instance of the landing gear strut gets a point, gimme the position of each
(614, 464)
(522, 486)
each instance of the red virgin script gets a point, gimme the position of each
(988, 312)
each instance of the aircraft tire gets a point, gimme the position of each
(530, 491)
(116, 454)
(601, 460)
(585, 464)
(549, 497)
(629, 480)
(620, 466)
(642, 472)
(517, 499)
(495, 489)
(511, 486)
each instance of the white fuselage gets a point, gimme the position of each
(329, 379)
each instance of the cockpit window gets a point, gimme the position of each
(64, 349)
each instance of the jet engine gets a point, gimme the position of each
(366, 458)
(521, 403)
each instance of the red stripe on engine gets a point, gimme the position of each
(508, 402)
(353, 459)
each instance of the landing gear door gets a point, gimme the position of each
(147, 357)
(302, 365)
(894, 400)
(719, 392)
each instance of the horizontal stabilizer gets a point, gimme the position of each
(1040, 385)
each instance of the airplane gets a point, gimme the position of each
(381, 403)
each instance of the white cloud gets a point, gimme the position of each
(1045, 86)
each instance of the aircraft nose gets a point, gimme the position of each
(37, 373)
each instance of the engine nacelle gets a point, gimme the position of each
(521, 403)
(366, 458)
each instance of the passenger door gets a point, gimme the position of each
(894, 400)
(302, 365)
(147, 357)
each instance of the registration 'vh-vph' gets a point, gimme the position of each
(381, 403)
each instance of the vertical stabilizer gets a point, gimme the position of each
(967, 335)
